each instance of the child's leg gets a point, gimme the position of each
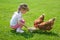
(19, 30)
(18, 27)
(23, 22)
(15, 27)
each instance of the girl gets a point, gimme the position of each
(17, 22)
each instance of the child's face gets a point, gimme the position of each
(23, 11)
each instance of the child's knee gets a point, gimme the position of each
(23, 21)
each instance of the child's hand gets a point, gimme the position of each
(21, 22)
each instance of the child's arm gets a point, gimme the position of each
(22, 24)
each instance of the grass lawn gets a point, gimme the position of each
(51, 8)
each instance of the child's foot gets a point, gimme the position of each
(20, 31)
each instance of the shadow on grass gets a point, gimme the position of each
(47, 33)
(25, 34)
(30, 35)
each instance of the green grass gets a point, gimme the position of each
(51, 8)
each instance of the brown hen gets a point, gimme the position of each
(46, 25)
(38, 21)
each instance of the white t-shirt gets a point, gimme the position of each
(15, 18)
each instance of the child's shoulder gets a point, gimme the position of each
(15, 14)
